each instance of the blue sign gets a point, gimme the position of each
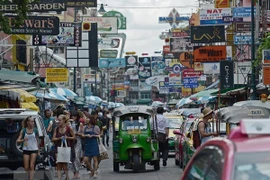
(191, 82)
(230, 19)
(243, 12)
(112, 62)
(126, 82)
(242, 39)
(172, 19)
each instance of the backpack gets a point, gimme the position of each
(24, 131)
(197, 140)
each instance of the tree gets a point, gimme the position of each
(265, 44)
(21, 12)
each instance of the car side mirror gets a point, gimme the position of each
(177, 132)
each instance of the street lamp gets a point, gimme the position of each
(101, 9)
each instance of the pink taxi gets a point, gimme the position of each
(245, 155)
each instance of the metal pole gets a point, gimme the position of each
(108, 85)
(253, 85)
(74, 72)
(95, 93)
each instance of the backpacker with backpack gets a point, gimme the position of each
(197, 140)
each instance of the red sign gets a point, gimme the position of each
(180, 34)
(166, 49)
(191, 73)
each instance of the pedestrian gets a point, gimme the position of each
(78, 129)
(163, 134)
(91, 134)
(29, 137)
(47, 120)
(204, 126)
(63, 131)
(105, 128)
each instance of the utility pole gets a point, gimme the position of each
(75, 69)
(253, 69)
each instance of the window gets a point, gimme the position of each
(145, 96)
(208, 164)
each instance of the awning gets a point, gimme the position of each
(204, 93)
(64, 92)
(214, 85)
(144, 101)
(230, 91)
(21, 94)
(17, 76)
(30, 105)
(51, 95)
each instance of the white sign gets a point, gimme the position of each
(211, 68)
(214, 15)
(106, 25)
(154, 81)
(229, 52)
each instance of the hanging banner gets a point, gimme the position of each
(157, 66)
(132, 67)
(144, 67)
(54, 75)
(180, 44)
(226, 75)
(209, 53)
(214, 15)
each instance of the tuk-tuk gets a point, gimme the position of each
(234, 114)
(134, 139)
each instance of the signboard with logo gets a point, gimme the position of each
(189, 73)
(70, 35)
(266, 75)
(104, 43)
(36, 6)
(207, 34)
(42, 25)
(226, 75)
(242, 12)
(214, 15)
(108, 53)
(180, 34)
(242, 39)
(186, 58)
(198, 66)
(191, 82)
(106, 25)
(121, 19)
(82, 3)
(243, 27)
(266, 56)
(56, 75)
(209, 53)
(144, 67)
(230, 19)
(132, 67)
(180, 44)
(173, 79)
(157, 66)
(111, 62)
(211, 68)
(222, 3)
(174, 19)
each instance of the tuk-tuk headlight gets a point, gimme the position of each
(148, 139)
(134, 139)
(120, 140)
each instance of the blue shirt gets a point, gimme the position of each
(47, 122)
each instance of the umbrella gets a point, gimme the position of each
(235, 114)
(111, 105)
(184, 101)
(64, 92)
(205, 99)
(157, 104)
(51, 95)
(119, 105)
(204, 93)
(256, 103)
(94, 99)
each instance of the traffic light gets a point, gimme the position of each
(86, 26)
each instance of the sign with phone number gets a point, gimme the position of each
(190, 82)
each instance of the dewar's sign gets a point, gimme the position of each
(42, 25)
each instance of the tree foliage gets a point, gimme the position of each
(265, 44)
(21, 12)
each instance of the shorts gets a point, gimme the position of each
(29, 152)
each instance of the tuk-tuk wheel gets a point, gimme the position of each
(136, 163)
(156, 165)
(115, 166)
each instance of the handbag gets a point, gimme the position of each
(103, 153)
(64, 153)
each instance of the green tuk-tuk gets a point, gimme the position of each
(234, 114)
(134, 140)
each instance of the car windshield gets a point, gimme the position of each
(188, 124)
(130, 124)
(250, 166)
(174, 123)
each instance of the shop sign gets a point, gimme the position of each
(106, 53)
(144, 67)
(166, 49)
(186, 58)
(174, 18)
(64, 38)
(54, 75)
(180, 34)
(226, 75)
(106, 25)
(190, 82)
(266, 75)
(243, 12)
(207, 34)
(42, 25)
(111, 62)
(214, 15)
(180, 44)
(230, 19)
(242, 39)
(266, 56)
(82, 3)
(121, 19)
(243, 27)
(209, 53)
(188, 73)
(222, 3)
(40, 6)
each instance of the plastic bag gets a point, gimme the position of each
(103, 154)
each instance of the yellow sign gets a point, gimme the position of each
(56, 75)
(134, 131)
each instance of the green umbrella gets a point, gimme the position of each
(204, 93)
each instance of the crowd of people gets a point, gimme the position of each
(83, 131)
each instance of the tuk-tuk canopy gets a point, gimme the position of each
(256, 103)
(235, 114)
(132, 109)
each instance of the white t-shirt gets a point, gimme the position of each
(162, 123)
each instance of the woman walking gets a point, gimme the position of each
(91, 150)
(63, 131)
(29, 137)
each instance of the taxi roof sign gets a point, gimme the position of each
(255, 126)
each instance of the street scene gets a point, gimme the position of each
(135, 89)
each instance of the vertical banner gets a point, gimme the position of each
(157, 65)
(144, 67)
(226, 75)
(132, 67)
